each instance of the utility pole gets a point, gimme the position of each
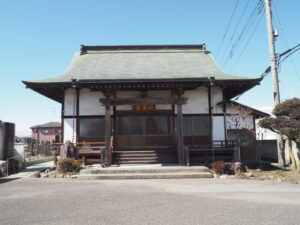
(272, 52)
(274, 71)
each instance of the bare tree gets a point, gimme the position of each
(240, 122)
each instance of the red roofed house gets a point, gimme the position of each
(46, 132)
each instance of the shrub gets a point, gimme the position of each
(219, 167)
(68, 165)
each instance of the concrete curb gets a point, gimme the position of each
(32, 171)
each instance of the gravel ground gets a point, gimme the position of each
(182, 201)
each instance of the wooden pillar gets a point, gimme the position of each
(225, 116)
(107, 130)
(62, 126)
(225, 122)
(179, 129)
(77, 114)
(114, 122)
(209, 90)
(211, 119)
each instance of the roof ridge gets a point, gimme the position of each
(84, 48)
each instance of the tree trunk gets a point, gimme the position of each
(292, 155)
(295, 151)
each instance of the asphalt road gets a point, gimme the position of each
(186, 201)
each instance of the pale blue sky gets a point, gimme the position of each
(39, 38)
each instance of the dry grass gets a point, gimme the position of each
(281, 174)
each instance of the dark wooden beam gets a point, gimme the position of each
(114, 118)
(107, 129)
(209, 94)
(225, 117)
(179, 128)
(144, 101)
(77, 114)
(62, 120)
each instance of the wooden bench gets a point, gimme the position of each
(91, 154)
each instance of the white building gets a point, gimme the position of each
(153, 101)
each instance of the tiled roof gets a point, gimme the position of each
(142, 63)
(48, 125)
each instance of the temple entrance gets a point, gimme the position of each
(138, 132)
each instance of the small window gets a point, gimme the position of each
(196, 129)
(45, 131)
(91, 129)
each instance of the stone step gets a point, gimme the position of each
(155, 157)
(144, 157)
(144, 151)
(151, 170)
(141, 161)
(145, 154)
(143, 176)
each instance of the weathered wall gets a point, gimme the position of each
(236, 122)
(7, 140)
(216, 97)
(218, 128)
(197, 104)
(197, 101)
(89, 102)
(68, 130)
(69, 102)
(137, 94)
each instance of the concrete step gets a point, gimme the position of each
(143, 162)
(143, 176)
(154, 159)
(144, 151)
(144, 157)
(147, 169)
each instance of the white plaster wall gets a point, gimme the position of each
(69, 102)
(136, 94)
(89, 102)
(197, 101)
(236, 122)
(230, 109)
(68, 130)
(218, 128)
(216, 97)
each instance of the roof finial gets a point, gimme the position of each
(82, 50)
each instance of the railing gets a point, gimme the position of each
(208, 147)
(86, 149)
(211, 143)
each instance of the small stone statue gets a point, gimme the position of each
(68, 150)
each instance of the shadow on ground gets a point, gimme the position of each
(5, 180)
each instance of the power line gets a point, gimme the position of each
(235, 29)
(227, 28)
(248, 41)
(249, 23)
(286, 54)
(284, 40)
